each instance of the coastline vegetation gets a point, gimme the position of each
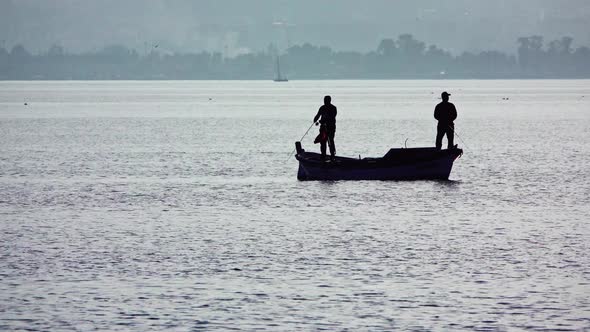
(400, 58)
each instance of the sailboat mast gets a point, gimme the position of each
(278, 67)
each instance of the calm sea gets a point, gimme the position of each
(140, 206)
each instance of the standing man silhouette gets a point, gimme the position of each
(327, 116)
(445, 113)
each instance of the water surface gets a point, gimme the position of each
(174, 205)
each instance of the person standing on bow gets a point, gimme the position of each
(445, 113)
(327, 118)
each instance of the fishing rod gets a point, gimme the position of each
(462, 141)
(301, 139)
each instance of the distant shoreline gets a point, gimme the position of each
(402, 59)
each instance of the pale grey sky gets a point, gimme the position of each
(235, 26)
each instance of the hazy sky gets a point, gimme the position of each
(234, 26)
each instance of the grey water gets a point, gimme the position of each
(156, 205)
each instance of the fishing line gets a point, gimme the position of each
(462, 141)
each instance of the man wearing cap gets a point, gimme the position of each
(445, 113)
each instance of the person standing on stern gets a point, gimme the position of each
(327, 118)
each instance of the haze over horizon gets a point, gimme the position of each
(234, 27)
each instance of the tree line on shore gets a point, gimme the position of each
(401, 58)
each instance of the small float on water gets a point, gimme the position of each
(396, 164)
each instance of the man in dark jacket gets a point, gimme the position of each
(445, 113)
(327, 116)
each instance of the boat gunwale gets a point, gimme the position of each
(375, 163)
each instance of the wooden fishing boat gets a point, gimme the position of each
(396, 164)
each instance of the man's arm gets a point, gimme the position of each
(453, 113)
(317, 116)
(436, 112)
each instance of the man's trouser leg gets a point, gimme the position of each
(331, 134)
(451, 136)
(440, 132)
(323, 149)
